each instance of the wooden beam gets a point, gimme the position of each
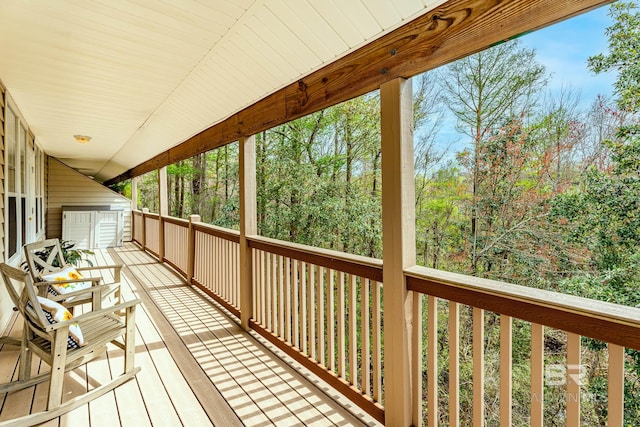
(456, 29)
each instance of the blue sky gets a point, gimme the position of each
(564, 48)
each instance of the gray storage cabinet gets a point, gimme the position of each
(93, 227)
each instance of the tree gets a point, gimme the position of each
(484, 91)
(603, 213)
(623, 55)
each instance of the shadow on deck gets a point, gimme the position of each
(198, 366)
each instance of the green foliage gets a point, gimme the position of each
(319, 179)
(623, 55)
(604, 214)
(123, 188)
(542, 196)
(148, 191)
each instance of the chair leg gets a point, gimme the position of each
(130, 339)
(59, 352)
(24, 370)
(96, 302)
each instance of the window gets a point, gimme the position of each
(24, 185)
(12, 208)
(39, 189)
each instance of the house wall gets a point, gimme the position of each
(68, 187)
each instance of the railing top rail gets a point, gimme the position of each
(223, 233)
(152, 215)
(177, 221)
(370, 268)
(601, 320)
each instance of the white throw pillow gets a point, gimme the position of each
(61, 287)
(55, 313)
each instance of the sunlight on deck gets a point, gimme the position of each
(198, 366)
(260, 388)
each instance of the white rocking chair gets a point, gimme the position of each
(46, 257)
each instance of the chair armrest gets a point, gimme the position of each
(94, 314)
(80, 292)
(94, 280)
(100, 267)
(115, 267)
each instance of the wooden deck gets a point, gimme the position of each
(198, 367)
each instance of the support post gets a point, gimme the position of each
(398, 245)
(134, 206)
(134, 192)
(163, 208)
(248, 225)
(191, 250)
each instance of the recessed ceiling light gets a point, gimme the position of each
(82, 139)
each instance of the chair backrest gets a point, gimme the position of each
(23, 294)
(44, 257)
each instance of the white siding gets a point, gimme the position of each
(68, 187)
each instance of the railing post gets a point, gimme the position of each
(398, 245)
(191, 250)
(145, 211)
(163, 208)
(248, 225)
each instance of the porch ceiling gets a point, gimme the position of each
(141, 76)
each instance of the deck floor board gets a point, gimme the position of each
(198, 366)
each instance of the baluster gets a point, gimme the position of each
(573, 379)
(320, 315)
(454, 364)
(341, 325)
(364, 337)
(432, 361)
(506, 332)
(281, 297)
(537, 375)
(353, 349)
(416, 359)
(304, 340)
(331, 321)
(295, 316)
(478, 366)
(288, 293)
(311, 307)
(377, 343)
(615, 392)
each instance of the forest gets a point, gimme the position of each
(544, 193)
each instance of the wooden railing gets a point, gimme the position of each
(175, 235)
(152, 233)
(324, 309)
(138, 228)
(217, 264)
(467, 301)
